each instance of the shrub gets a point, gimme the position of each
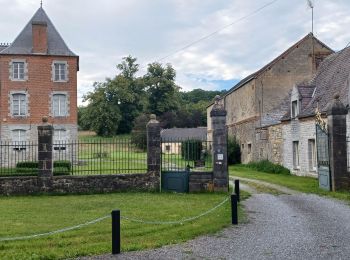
(60, 171)
(62, 164)
(233, 151)
(191, 150)
(30, 164)
(267, 166)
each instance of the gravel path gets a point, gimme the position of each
(270, 185)
(295, 226)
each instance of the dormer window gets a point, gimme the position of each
(295, 110)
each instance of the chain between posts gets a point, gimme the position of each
(108, 216)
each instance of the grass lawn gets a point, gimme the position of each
(303, 184)
(28, 215)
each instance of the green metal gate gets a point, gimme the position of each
(177, 181)
(324, 173)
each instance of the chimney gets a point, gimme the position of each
(39, 34)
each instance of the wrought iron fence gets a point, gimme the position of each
(186, 155)
(90, 157)
(12, 154)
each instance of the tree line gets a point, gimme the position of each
(119, 104)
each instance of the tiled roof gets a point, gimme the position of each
(181, 134)
(23, 43)
(332, 78)
(305, 94)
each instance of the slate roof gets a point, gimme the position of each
(23, 43)
(332, 78)
(3, 47)
(305, 94)
(264, 68)
(181, 134)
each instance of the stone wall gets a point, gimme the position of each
(201, 181)
(270, 143)
(301, 131)
(80, 184)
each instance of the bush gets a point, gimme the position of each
(233, 151)
(62, 164)
(267, 166)
(191, 150)
(60, 171)
(27, 165)
(35, 165)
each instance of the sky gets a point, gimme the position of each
(103, 32)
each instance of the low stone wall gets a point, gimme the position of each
(201, 181)
(79, 184)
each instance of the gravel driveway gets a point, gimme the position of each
(297, 226)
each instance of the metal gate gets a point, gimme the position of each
(179, 158)
(322, 145)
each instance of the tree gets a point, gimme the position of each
(139, 133)
(163, 92)
(103, 111)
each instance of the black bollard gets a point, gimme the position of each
(237, 190)
(115, 232)
(234, 209)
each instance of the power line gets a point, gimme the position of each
(216, 31)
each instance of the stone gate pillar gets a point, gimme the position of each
(45, 174)
(220, 167)
(336, 119)
(153, 146)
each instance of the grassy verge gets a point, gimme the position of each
(303, 184)
(22, 216)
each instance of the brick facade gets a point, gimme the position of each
(39, 46)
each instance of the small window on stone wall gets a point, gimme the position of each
(167, 148)
(295, 111)
(242, 146)
(249, 148)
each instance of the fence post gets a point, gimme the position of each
(336, 119)
(115, 232)
(45, 172)
(220, 167)
(154, 149)
(234, 209)
(237, 190)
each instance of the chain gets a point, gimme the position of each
(56, 231)
(108, 216)
(178, 221)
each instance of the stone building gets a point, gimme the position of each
(38, 78)
(256, 98)
(298, 124)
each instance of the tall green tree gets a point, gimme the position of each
(103, 110)
(162, 90)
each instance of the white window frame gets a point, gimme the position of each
(22, 104)
(59, 138)
(15, 66)
(62, 71)
(312, 157)
(19, 137)
(60, 113)
(296, 155)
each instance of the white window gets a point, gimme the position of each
(295, 111)
(19, 104)
(18, 70)
(59, 105)
(296, 164)
(19, 138)
(312, 154)
(59, 138)
(59, 71)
